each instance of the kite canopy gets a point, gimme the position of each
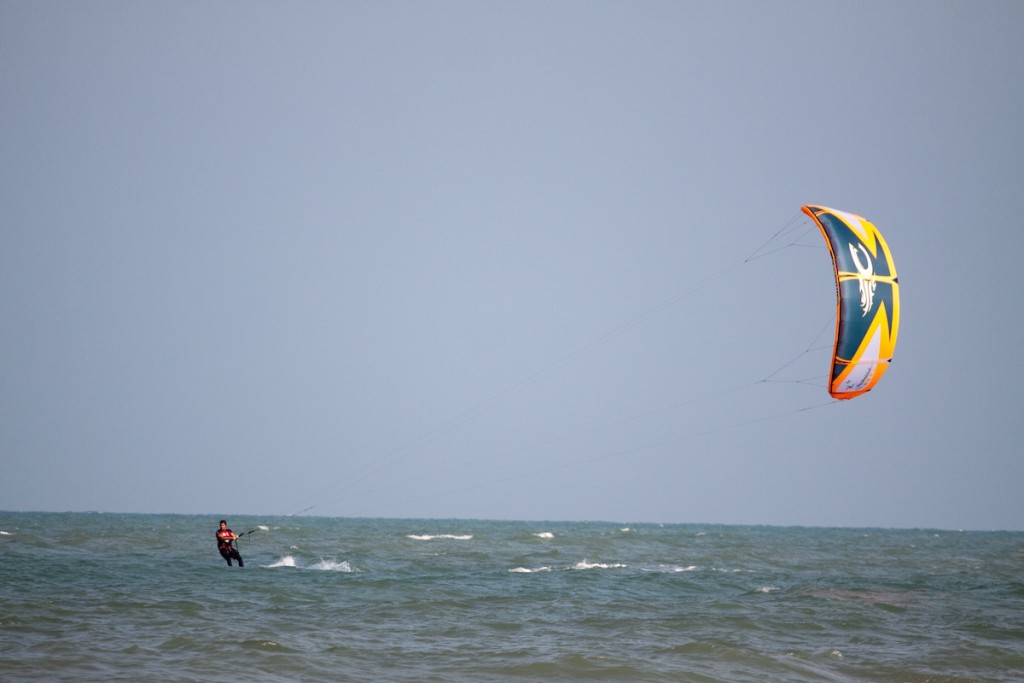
(868, 301)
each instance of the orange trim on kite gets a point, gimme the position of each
(853, 376)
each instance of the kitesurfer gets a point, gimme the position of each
(225, 538)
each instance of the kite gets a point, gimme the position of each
(867, 301)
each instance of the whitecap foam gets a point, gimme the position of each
(263, 527)
(431, 537)
(526, 570)
(286, 561)
(765, 589)
(322, 565)
(5, 533)
(676, 569)
(332, 566)
(597, 565)
(544, 534)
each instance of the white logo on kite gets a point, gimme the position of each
(866, 277)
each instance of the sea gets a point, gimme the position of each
(133, 597)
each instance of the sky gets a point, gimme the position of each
(493, 260)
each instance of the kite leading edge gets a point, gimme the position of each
(867, 301)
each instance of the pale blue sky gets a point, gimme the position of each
(466, 259)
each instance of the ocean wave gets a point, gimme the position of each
(583, 564)
(322, 565)
(286, 561)
(676, 568)
(331, 566)
(431, 537)
(544, 534)
(868, 597)
(526, 570)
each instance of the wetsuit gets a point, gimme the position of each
(227, 551)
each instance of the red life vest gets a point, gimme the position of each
(224, 538)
